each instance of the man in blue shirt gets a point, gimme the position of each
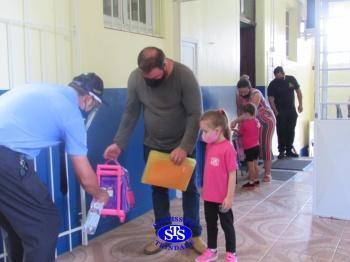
(31, 118)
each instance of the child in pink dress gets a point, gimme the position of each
(249, 130)
(219, 183)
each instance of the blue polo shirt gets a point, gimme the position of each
(37, 116)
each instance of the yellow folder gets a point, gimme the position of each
(161, 171)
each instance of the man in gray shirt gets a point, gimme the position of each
(170, 97)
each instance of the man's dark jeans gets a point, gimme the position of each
(190, 202)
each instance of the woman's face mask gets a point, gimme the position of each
(244, 92)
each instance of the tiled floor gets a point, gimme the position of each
(273, 222)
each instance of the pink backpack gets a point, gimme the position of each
(115, 179)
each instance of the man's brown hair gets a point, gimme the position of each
(149, 58)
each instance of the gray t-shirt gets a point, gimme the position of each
(171, 111)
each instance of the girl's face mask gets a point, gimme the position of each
(210, 137)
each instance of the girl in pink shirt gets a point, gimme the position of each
(249, 130)
(219, 183)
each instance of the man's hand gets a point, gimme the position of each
(275, 112)
(178, 155)
(101, 196)
(112, 152)
(300, 108)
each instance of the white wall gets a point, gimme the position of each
(35, 42)
(331, 193)
(112, 53)
(214, 25)
(53, 40)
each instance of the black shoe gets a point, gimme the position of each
(249, 184)
(281, 155)
(292, 153)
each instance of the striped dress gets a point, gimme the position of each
(267, 120)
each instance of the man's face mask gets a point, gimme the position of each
(151, 82)
(89, 111)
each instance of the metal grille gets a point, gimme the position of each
(332, 60)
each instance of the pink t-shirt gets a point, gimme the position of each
(249, 129)
(220, 159)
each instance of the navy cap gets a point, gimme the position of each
(278, 69)
(92, 83)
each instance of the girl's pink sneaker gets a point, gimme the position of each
(207, 256)
(230, 257)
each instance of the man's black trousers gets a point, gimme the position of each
(286, 122)
(28, 218)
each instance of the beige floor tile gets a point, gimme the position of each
(306, 227)
(273, 222)
(248, 234)
(290, 256)
(344, 247)
(320, 247)
(341, 256)
(346, 232)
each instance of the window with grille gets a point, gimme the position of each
(137, 16)
(287, 34)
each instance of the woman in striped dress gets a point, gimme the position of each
(247, 94)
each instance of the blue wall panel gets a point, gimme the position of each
(100, 135)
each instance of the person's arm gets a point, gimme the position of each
(238, 105)
(73, 133)
(273, 105)
(292, 80)
(240, 114)
(300, 100)
(271, 96)
(256, 97)
(238, 120)
(87, 178)
(231, 167)
(231, 186)
(240, 129)
(128, 122)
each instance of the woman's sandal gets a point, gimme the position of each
(267, 178)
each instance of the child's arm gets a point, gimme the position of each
(228, 201)
(239, 119)
(257, 123)
(238, 130)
